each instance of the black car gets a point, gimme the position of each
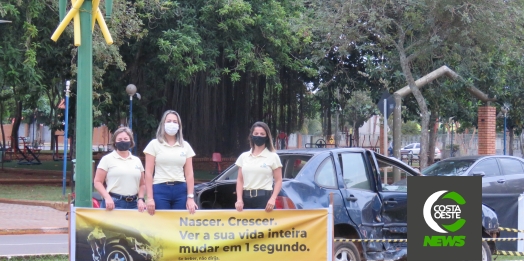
(500, 174)
(365, 207)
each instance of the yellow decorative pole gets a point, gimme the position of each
(84, 13)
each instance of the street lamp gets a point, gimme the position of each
(131, 90)
(4, 21)
(67, 91)
(505, 109)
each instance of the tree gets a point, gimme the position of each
(409, 32)
(358, 110)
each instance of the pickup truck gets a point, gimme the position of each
(365, 207)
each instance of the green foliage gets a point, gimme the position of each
(314, 127)
(410, 128)
(359, 109)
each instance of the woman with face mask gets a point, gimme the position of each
(170, 157)
(123, 174)
(259, 172)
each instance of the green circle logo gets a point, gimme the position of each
(444, 212)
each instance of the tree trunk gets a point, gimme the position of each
(511, 140)
(16, 126)
(406, 69)
(521, 143)
(356, 136)
(432, 138)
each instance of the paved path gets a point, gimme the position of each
(41, 244)
(27, 219)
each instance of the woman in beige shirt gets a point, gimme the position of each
(258, 169)
(170, 157)
(123, 174)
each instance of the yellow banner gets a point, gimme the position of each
(225, 235)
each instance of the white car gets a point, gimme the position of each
(414, 148)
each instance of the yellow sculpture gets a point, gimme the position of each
(73, 13)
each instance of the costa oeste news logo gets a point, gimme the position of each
(444, 218)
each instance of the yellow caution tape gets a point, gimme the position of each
(509, 253)
(405, 240)
(511, 230)
(371, 240)
(502, 239)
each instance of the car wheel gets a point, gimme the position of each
(346, 251)
(486, 252)
(117, 253)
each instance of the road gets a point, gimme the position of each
(15, 245)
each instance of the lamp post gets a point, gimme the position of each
(64, 167)
(505, 109)
(131, 90)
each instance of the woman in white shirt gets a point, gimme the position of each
(258, 169)
(170, 157)
(123, 174)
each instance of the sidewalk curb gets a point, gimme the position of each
(60, 206)
(43, 230)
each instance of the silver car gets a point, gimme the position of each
(500, 174)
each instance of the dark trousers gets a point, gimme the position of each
(170, 196)
(257, 199)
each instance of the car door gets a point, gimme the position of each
(492, 181)
(512, 174)
(394, 196)
(416, 149)
(362, 201)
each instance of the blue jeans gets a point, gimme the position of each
(121, 204)
(170, 196)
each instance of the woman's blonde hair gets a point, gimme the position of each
(160, 132)
(129, 133)
(269, 141)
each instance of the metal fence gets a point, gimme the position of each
(467, 143)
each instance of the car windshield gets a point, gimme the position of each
(291, 166)
(448, 168)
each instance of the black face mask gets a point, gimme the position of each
(123, 145)
(259, 140)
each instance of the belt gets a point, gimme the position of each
(126, 198)
(253, 193)
(171, 183)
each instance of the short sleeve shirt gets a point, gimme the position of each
(123, 174)
(257, 171)
(169, 160)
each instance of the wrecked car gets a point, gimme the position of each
(365, 207)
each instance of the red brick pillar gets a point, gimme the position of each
(487, 132)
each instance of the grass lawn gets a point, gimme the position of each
(38, 258)
(51, 192)
(43, 192)
(46, 165)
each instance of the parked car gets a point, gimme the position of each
(352, 175)
(500, 174)
(414, 149)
